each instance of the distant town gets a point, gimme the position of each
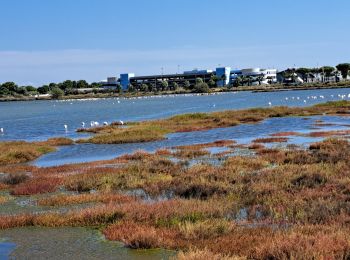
(198, 81)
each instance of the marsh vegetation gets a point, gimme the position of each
(278, 202)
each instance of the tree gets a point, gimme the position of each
(56, 93)
(31, 89)
(199, 80)
(164, 85)
(201, 88)
(260, 78)
(237, 81)
(344, 69)
(144, 87)
(303, 72)
(4, 91)
(119, 88)
(95, 85)
(223, 78)
(327, 71)
(82, 84)
(187, 85)
(44, 89)
(174, 86)
(212, 83)
(10, 86)
(67, 84)
(131, 88)
(22, 91)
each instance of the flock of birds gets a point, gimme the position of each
(92, 124)
(342, 97)
(96, 123)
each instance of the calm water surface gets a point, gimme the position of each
(242, 134)
(39, 120)
(68, 243)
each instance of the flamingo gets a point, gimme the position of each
(65, 127)
(1, 130)
(83, 124)
(121, 122)
(270, 104)
(105, 123)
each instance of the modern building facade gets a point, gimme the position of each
(223, 76)
(254, 76)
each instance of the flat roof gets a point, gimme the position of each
(171, 75)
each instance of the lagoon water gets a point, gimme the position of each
(68, 243)
(40, 120)
(243, 134)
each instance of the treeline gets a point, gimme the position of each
(326, 71)
(198, 86)
(56, 89)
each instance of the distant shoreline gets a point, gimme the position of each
(253, 89)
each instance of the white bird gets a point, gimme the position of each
(1, 130)
(92, 123)
(270, 104)
(105, 123)
(96, 123)
(304, 101)
(65, 127)
(121, 122)
(118, 101)
(83, 124)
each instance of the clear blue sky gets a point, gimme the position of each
(45, 41)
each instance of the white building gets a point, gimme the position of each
(260, 76)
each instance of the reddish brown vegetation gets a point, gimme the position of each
(284, 134)
(36, 186)
(271, 140)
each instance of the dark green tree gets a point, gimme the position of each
(187, 85)
(56, 93)
(212, 83)
(44, 89)
(10, 86)
(201, 88)
(131, 88)
(164, 85)
(144, 87)
(31, 89)
(82, 84)
(303, 72)
(327, 71)
(344, 69)
(199, 80)
(4, 91)
(22, 91)
(67, 84)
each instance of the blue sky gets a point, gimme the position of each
(49, 41)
